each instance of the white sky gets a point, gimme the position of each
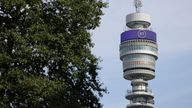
(172, 20)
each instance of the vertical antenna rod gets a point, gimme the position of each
(138, 5)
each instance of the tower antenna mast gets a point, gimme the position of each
(138, 4)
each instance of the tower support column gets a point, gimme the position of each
(139, 52)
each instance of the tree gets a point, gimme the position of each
(45, 54)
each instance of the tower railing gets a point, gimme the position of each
(132, 91)
(127, 29)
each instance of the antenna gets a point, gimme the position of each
(138, 5)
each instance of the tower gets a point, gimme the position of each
(138, 52)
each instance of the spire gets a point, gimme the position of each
(138, 5)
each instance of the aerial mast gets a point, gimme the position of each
(138, 4)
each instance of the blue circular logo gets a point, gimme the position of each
(141, 34)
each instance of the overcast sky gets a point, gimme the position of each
(172, 20)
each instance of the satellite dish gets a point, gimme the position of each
(138, 4)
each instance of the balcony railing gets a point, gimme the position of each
(140, 105)
(143, 102)
(126, 29)
(146, 90)
(134, 94)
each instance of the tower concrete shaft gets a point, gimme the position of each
(139, 52)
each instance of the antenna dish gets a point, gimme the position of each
(138, 5)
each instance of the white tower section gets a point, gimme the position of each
(138, 20)
(138, 52)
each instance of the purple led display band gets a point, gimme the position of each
(138, 34)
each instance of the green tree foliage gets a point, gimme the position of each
(45, 56)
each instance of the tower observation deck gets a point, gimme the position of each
(139, 52)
